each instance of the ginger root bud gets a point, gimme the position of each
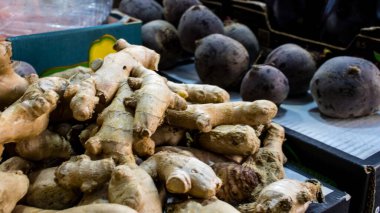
(45, 193)
(83, 173)
(286, 195)
(14, 186)
(183, 174)
(231, 140)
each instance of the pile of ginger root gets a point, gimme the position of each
(118, 137)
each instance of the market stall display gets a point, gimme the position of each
(155, 128)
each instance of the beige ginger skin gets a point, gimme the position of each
(168, 135)
(182, 174)
(98, 196)
(12, 86)
(230, 140)
(79, 173)
(14, 186)
(206, 157)
(133, 187)
(82, 89)
(269, 160)
(200, 93)
(193, 93)
(114, 69)
(31, 112)
(93, 208)
(242, 183)
(45, 193)
(115, 136)
(212, 205)
(16, 163)
(151, 101)
(68, 73)
(54, 146)
(206, 116)
(287, 195)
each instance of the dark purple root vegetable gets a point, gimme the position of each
(245, 36)
(23, 68)
(264, 82)
(345, 87)
(162, 37)
(145, 10)
(296, 63)
(174, 9)
(221, 61)
(197, 22)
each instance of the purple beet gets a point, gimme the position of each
(197, 22)
(145, 10)
(245, 36)
(296, 63)
(174, 9)
(221, 61)
(23, 68)
(162, 37)
(346, 87)
(264, 82)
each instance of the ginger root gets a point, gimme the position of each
(211, 205)
(133, 187)
(29, 115)
(230, 140)
(168, 135)
(200, 93)
(14, 186)
(68, 73)
(206, 116)
(151, 101)
(98, 196)
(88, 132)
(45, 193)
(80, 172)
(194, 93)
(206, 157)
(243, 183)
(182, 174)
(238, 182)
(96, 208)
(268, 161)
(82, 92)
(12, 86)
(16, 163)
(286, 195)
(115, 136)
(115, 69)
(150, 107)
(47, 145)
(117, 66)
(144, 147)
